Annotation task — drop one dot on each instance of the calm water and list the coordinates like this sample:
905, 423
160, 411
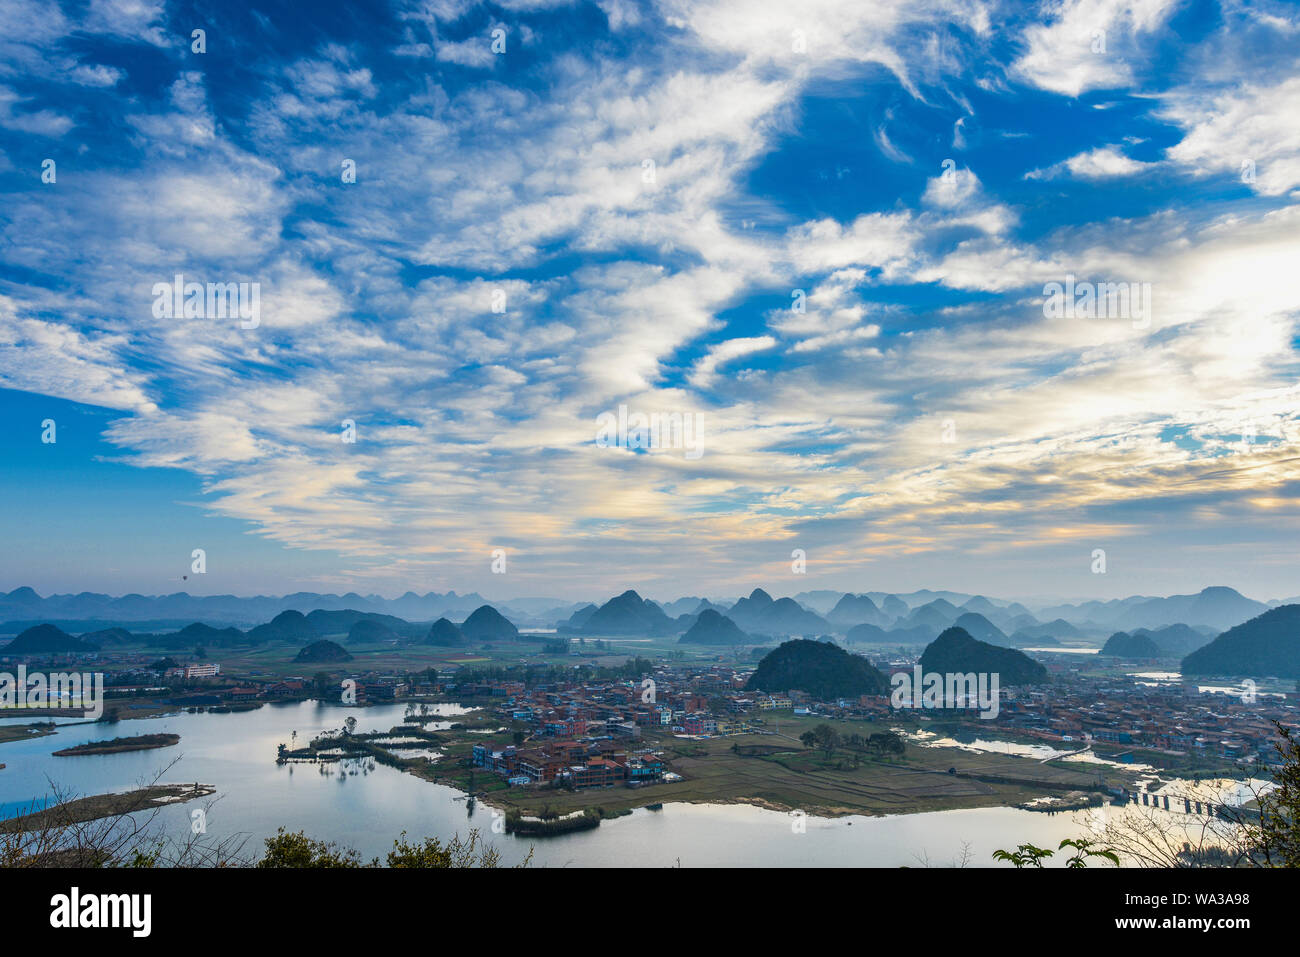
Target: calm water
236, 753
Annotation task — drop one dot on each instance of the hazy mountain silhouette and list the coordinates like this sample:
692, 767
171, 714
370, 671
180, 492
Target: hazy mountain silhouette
287, 626
108, 636
981, 629
937, 614
1123, 645
712, 628
339, 622
894, 606
1045, 632
628, 614
369, 631
759, 614
1177, 640
856, 610
201, 634
956, 652
874, 634
1217, 607
47, 640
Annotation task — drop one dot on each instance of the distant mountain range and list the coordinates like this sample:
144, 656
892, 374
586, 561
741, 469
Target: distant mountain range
866, 617
956, 637
1216, 607
484, 624
760, 614
25, 605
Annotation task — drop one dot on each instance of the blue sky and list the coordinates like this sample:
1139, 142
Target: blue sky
821, 232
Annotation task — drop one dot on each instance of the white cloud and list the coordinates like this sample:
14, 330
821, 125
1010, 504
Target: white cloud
52, 359
722, 353
1089, 44
1105, 162
133, 20
1250, 130
470, 191
97, 74
15, 115
474, 52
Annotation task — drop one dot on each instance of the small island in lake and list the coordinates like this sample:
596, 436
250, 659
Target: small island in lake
143, 742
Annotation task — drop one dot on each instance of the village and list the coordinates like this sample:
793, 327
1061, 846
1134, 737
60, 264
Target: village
586, 727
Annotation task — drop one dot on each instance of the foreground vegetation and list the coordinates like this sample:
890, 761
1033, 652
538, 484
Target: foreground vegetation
297, 850
1263, 832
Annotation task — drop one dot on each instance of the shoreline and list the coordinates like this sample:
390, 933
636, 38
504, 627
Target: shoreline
96, 807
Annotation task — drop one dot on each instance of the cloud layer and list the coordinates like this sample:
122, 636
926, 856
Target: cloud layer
825, 230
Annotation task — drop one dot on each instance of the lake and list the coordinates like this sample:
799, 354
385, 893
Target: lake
368, 809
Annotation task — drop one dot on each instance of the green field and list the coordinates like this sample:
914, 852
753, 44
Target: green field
794, 777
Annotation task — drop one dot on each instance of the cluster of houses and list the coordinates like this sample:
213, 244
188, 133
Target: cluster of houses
1172, 718
711, 702
583, 733
594, 763
202, 684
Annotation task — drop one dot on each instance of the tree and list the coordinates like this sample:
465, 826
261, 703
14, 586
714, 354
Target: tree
887, 742
1027, 855
297, 850
432, 853
1276, 837
826, 738
51, 835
